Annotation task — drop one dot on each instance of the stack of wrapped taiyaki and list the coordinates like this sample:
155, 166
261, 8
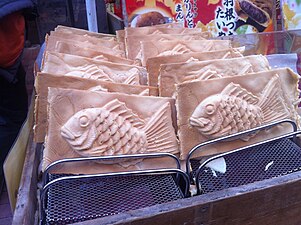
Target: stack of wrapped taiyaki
152, 89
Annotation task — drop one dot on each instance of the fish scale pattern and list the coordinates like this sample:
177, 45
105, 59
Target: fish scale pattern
239, 115
118, 135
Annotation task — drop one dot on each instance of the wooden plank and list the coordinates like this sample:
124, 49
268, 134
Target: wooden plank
26, 205
273, 201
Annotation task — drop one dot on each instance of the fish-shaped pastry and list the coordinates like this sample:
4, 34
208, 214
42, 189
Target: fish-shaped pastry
96, 73
114, 129
178, 49
235, 109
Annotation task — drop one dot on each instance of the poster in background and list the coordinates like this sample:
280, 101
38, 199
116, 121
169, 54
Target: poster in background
220, 17
291, 10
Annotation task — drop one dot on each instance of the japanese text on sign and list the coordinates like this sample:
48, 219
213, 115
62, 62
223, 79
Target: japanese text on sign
189, 13
179, 11
225, 18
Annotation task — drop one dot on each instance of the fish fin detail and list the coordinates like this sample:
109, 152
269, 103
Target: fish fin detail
209, 74
196, 76
272, 101
98, 150
158, 133
98, 88
246, 69
237, 91
94, 72
121, 109
133, 77
178, 49
157, 32
144, 93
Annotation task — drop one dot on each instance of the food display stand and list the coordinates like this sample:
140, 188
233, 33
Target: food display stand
272, 200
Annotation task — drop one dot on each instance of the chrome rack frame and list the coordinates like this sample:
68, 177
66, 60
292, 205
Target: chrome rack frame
46, 185
103, 158
236, 135
289, 135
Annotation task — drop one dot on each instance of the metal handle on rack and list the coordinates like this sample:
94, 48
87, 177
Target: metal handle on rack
101, 158
289, 135
90, 176
266, 126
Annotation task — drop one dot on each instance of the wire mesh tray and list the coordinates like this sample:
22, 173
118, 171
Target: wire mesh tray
264, 160
80, 200
68, 199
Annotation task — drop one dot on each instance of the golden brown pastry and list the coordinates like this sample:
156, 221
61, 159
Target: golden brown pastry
164, 48
72, 30
171, 25
44, 80
71, 65
120, 35
162, 30
112, 44
84, 123
51, 42
76, 49
133, 45
153, 64
176, 73
213, 108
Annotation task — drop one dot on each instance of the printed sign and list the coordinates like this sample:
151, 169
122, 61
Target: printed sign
227, 17
220, 17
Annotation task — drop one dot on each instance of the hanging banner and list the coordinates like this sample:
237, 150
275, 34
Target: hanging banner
220, 17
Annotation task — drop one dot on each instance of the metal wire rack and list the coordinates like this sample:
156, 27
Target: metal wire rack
68, 199
264, 160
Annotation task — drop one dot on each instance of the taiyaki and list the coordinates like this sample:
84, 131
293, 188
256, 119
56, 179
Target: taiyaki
178, 49
115, 129
96, 73
236, 109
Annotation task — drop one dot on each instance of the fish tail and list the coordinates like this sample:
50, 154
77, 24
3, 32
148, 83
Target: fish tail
133, 77
272, 101
158, 133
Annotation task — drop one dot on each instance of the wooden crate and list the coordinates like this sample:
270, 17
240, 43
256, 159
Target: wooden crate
273, 201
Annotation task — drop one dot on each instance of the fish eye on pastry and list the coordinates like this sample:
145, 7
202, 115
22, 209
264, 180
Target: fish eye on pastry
210, 109
84, 121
